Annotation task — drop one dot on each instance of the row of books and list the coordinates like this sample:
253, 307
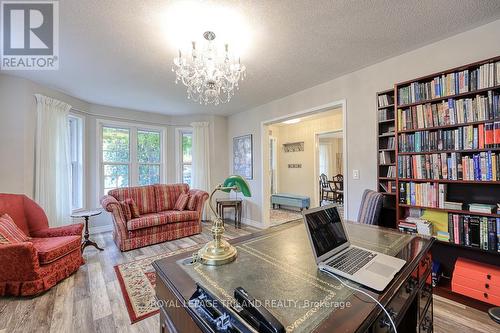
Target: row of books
450, 112
385, 157
385, 100
389, 143
486, 76
462, 138
385, 114
388, 186
475, 231
484, 166
422, 194
391, 171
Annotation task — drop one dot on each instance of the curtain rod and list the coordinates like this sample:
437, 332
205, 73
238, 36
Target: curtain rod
127, 119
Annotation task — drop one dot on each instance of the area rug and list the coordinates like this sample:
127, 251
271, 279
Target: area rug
279, 216
137, 281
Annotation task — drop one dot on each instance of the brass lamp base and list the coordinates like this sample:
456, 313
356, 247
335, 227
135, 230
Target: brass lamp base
212, 255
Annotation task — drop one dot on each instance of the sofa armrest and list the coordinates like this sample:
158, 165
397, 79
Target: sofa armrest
19, 262
68, 230
110, 204
201, 197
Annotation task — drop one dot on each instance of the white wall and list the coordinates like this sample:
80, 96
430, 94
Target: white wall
359, 89
17, 137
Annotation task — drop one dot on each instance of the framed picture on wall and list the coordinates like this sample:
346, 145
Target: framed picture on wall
243, 156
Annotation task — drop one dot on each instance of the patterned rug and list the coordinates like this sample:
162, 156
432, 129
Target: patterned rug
279, 216
137, 281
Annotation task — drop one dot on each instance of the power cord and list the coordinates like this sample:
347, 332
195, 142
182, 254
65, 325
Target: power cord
364, 293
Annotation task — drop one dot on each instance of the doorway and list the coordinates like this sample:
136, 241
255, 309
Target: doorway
291, 156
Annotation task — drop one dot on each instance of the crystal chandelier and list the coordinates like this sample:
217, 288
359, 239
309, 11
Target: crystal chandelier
209, 78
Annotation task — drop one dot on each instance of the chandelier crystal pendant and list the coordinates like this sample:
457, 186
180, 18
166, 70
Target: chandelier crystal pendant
209, 78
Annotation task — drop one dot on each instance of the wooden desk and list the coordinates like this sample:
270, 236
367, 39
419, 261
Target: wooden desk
278, 264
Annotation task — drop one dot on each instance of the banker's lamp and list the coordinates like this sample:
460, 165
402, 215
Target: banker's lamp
219, 251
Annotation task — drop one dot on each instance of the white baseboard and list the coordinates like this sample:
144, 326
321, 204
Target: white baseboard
252, 223
99, 229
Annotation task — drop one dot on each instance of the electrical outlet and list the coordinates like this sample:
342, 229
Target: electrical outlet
355, 174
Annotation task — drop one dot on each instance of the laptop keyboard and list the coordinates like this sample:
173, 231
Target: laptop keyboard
352, 260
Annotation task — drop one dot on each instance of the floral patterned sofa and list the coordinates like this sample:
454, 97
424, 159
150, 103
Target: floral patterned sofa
156, 220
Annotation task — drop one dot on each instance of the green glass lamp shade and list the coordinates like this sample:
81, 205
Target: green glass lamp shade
240, 183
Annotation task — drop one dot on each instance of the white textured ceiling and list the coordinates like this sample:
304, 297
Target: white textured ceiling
114, 52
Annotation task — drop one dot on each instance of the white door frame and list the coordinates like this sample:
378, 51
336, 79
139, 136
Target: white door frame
265, 191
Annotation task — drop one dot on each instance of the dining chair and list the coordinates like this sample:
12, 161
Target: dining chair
338, 184
371, 205
326, 192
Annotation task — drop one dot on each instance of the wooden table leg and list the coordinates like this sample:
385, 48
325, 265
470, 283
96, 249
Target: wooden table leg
86, 236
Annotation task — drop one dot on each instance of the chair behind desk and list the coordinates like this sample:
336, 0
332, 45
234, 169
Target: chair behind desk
371, 205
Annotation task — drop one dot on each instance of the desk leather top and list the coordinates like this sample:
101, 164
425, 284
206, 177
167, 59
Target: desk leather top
278, 269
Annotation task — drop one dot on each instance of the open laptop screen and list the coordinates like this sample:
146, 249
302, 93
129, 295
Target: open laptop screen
326, 230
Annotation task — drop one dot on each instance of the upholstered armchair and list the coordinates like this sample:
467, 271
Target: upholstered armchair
51, 254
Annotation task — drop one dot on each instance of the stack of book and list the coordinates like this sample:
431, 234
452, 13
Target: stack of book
453, 205
484, 166
450, 112
475, 231
482, 208
487, 75
443, 236
462, 138
416, 225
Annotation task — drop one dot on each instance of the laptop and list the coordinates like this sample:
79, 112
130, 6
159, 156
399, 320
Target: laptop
335, 254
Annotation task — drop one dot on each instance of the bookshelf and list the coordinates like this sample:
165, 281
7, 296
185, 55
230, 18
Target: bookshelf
448, 150
386, 158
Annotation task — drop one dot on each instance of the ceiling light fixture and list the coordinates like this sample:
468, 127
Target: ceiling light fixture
291, 121
210, 78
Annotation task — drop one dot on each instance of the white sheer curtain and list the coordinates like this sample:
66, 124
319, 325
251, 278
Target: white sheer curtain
200, 172
52, 160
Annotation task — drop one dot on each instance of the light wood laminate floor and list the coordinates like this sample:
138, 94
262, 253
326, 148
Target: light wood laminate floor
91, 300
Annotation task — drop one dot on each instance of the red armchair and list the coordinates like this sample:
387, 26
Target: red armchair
50, 256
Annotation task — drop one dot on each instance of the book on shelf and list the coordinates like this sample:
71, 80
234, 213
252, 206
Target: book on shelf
470, 137
419, 194
483, 166
385, 157
475, 231
391, 171
385, 114
390, 143
450, 112
443, 236
482, 208
416, 225
485, 76
453, 205
385, 100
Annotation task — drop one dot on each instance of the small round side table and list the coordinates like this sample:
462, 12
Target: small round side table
86, 214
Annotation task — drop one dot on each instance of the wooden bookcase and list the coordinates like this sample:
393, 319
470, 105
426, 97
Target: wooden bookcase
386, 145
466, 191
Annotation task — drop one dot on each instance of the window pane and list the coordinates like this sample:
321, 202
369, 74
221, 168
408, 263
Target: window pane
115, 176
148, 147
115, 144
186, 174
187, 140
149, 174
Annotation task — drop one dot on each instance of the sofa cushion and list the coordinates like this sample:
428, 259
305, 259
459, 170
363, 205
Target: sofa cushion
171, 216
144, 197
134, 210
191, 205
167, 195
181, 202
126, 209
53, 248
10, 232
